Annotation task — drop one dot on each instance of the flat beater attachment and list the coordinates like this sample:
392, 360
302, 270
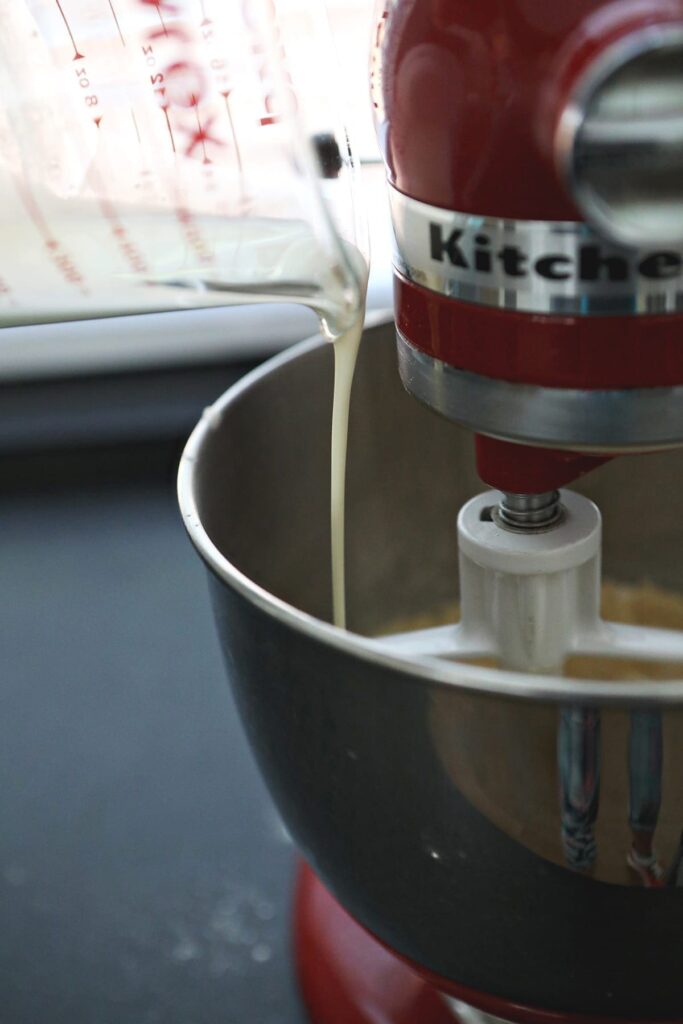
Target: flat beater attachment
530, 590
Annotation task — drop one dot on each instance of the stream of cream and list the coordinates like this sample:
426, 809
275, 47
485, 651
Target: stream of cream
345, 354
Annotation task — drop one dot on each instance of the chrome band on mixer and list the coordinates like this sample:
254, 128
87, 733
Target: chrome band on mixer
560, 267
633, 418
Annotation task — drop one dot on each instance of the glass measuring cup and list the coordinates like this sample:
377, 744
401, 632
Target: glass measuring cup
160, 154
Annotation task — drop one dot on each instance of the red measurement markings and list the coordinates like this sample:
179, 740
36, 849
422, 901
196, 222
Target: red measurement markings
56, 252
164, 110
116, 22
184, 84
193, 235
271, 114
199, 137
156, 80
89, 98
127, 247
202, 8
162, 6
223, 82
238, 155
209, 177
65, 265
218, 65
77, 53
179, 85
146, 184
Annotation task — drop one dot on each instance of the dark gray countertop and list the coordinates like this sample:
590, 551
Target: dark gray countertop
145, 877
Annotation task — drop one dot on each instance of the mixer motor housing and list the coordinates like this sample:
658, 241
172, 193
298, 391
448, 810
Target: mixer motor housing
533, 153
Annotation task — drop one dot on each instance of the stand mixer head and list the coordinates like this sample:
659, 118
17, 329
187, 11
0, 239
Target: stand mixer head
535, 166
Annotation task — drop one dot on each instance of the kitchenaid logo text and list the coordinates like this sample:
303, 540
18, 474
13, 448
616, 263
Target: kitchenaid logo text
593, 262
534, 266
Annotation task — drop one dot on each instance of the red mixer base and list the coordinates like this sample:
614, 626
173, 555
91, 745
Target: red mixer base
348, 977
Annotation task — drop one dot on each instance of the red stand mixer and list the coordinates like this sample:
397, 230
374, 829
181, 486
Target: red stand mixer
534, 154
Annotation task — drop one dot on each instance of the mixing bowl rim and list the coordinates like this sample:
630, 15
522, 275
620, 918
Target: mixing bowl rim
469, 679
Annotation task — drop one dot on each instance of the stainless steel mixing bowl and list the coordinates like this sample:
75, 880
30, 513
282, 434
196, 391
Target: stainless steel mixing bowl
428, 798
